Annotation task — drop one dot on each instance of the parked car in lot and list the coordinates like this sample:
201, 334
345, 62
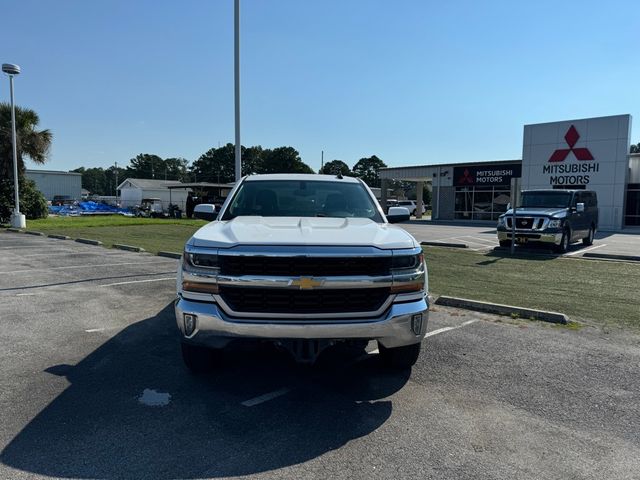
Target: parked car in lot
304, 261
555, 217
412, 206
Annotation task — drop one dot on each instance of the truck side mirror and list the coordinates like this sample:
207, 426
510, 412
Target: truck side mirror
205, 211
509, 206
398, 214
580, 207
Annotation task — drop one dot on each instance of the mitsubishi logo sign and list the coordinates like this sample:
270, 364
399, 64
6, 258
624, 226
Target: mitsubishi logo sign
466, 178
571, 138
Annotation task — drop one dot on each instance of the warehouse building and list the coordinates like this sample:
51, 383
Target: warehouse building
54, 183
590, 153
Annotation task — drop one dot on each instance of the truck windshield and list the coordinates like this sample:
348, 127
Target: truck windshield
302, 198
546, 199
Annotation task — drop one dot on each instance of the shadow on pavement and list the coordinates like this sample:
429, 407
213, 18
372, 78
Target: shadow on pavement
98, 428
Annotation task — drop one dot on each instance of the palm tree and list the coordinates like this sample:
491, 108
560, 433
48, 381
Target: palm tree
32, 143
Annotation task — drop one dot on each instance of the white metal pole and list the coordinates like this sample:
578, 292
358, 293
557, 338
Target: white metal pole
15, 150
237, 87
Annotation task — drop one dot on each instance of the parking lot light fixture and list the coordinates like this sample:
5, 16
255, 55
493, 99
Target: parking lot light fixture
17, 219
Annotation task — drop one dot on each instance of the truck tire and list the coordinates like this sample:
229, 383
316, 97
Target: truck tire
588, 240
196, 358
565, 241
400, 358
505, 243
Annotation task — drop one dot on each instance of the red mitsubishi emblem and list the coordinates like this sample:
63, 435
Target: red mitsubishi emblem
466, 177
571, 137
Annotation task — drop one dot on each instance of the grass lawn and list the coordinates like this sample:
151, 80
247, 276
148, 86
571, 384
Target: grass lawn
152, 234
595, 291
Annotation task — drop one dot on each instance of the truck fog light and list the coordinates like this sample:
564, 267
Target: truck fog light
189, 324
416, 323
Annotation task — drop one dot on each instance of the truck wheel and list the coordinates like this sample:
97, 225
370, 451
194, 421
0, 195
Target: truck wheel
564, 241
196, 358
400, 357
505, 243
588, 240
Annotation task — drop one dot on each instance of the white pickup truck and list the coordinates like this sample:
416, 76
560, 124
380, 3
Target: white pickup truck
304, 261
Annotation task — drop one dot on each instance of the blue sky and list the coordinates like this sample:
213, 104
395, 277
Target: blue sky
414, 82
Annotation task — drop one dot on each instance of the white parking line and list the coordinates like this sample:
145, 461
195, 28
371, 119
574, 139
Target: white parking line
38, 269
446, 329
139, 281
582, 250
252, 402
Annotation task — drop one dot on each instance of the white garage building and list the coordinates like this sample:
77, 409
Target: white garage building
133, 190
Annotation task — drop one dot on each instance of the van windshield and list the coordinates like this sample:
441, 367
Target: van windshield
546, 199
302, 198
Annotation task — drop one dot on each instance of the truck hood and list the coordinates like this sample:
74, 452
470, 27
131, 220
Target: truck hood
301, 231
538, 212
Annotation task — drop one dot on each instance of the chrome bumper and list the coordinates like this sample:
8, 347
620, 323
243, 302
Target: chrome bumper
215, 329
554, 238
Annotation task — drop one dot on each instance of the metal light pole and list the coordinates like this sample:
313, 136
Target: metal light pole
237, 87
17, 219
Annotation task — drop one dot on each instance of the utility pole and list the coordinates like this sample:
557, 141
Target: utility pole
237, 87
321, 160
116, 183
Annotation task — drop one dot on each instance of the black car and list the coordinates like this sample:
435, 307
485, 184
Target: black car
554, 217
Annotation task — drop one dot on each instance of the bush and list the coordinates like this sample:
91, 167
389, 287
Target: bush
32, 203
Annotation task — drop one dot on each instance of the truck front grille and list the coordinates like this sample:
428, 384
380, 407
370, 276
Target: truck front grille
279, 300
526, 223
301, 266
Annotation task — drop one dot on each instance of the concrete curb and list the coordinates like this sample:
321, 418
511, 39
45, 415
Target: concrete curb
169, 254
15, 230
129, 248
611, 256
59, 237
525, 313
88, 241
38, 234
445, 244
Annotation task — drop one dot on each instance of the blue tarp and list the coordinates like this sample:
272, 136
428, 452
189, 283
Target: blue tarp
88, 208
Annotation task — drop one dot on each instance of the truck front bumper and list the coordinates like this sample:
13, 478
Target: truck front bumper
526, 237
402, 324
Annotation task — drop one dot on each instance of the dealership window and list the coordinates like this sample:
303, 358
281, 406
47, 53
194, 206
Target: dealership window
481, 203
632, 210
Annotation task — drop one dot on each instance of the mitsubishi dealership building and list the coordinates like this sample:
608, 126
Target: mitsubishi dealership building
590, 153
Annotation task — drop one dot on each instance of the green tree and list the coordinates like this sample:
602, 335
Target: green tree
367, 169
635, 148
334, 167
146, 165
93, 179
32, 143
216, 165
284, 160
175, 169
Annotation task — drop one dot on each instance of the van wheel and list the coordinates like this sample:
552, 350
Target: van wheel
196, 358
505, 243
588, 240
564, 241
400, 358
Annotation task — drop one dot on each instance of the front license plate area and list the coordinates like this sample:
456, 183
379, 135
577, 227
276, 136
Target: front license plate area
521, 239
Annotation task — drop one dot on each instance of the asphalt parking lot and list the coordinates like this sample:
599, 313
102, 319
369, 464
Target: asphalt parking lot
92, 386
484, 238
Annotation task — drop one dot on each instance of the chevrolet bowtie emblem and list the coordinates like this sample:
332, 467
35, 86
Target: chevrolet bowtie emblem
307, 283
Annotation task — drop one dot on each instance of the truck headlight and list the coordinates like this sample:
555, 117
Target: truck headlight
407, 262
555, 223
501, 221
409, 273
202, 260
